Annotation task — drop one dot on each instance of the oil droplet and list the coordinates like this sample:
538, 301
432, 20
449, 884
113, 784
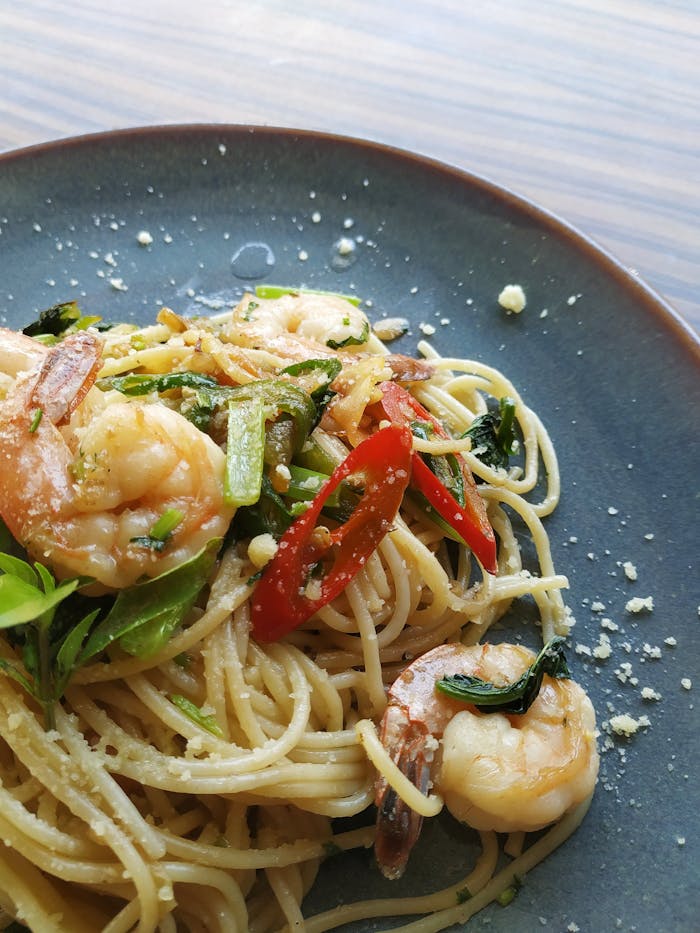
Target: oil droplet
252, 260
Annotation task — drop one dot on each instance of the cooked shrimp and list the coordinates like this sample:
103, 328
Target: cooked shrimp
76, 493
299, 325
497, 771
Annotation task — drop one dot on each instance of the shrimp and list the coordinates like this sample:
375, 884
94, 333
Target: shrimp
495, 771
299, 326
84, 479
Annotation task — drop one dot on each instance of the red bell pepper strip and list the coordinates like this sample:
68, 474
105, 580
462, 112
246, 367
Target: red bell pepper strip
470, 520
282, 600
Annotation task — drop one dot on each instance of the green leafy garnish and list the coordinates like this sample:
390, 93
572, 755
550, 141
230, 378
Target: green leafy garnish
36, 420
145, 383
325, 371
161, 532
145, 616
58, 320
29, 598
512, 698
493, 435
464, 895
353, 340
193, 712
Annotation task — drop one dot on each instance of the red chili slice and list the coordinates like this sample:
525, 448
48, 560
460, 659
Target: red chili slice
470, 520
283, 598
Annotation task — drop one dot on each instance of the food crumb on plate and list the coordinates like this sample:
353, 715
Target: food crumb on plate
512, 298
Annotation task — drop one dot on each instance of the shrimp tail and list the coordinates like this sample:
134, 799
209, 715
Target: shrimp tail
66, 375
398, 826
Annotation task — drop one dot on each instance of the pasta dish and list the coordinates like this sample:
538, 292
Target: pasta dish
251, 567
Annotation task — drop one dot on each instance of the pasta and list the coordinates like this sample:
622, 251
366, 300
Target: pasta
196, 782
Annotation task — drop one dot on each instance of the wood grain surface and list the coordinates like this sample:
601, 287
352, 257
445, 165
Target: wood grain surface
591, 108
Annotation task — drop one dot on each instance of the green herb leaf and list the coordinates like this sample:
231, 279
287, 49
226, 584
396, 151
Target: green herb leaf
513, 698
493, 435
20, 602
144, 616
161, 532
36, 420
66, 659
193, 712
54, 320
352, 340
144, 383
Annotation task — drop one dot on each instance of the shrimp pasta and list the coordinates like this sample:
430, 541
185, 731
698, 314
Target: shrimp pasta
239, 554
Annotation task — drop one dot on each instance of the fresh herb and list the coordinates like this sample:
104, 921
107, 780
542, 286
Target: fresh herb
29, 598
145, 383
277, 291
269, 515
160, 534
512, 698
356, 340
326, 371
59, 319
464, 895
193, 712
493, 435
446, 467
145, 616
36, 420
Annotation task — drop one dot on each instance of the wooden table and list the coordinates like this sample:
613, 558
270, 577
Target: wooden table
589, 108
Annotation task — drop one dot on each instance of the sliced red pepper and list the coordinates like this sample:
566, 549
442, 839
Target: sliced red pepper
281, 601
470, 520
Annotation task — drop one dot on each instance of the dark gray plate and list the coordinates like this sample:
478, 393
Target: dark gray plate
610, 369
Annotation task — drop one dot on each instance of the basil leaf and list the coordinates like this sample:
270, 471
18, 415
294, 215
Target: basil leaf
144, 616
54, 320
356, 340
513, 698
21, 602
18, 568
493, 435
144, 383
66, 660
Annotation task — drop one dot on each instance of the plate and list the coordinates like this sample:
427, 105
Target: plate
191, 216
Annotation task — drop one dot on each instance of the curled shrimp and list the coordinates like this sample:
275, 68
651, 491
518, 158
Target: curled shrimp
299, 325
84, 479
495, 771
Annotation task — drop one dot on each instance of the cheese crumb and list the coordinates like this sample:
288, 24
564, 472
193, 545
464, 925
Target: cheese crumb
624, 724
427, 329
144, 238
630, 570
512, 298
640, 604
261, 550
670, 641
686, 683
648, 693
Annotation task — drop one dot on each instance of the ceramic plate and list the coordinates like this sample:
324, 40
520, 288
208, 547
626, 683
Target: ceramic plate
192, 216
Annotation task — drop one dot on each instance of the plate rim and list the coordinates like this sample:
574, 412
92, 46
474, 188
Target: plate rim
637, 286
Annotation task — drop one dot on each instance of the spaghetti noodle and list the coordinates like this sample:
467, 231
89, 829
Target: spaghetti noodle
198, 784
